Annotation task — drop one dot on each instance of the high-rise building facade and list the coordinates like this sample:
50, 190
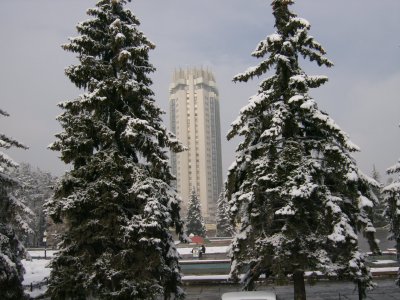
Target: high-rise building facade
195, 120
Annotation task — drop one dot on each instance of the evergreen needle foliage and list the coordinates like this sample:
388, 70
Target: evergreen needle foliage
13, 225
379, 217
294, 188
35, 188
117, 201
194, 222
392, 210
224, 227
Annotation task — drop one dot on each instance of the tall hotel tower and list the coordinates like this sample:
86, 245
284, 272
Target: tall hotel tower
194, 118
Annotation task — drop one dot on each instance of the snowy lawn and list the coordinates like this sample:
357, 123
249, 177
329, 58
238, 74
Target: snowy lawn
35, 271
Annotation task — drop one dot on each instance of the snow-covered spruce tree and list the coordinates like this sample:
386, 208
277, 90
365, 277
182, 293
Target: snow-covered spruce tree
224, 227
34, 189
392, 210
294, 188
194, 221
378, 216
116, 201
13, 225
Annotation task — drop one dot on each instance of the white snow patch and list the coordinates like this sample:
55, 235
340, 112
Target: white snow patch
120, 36
116, 23
380, 270
282, 57
40, 253
364, 202
352, 176
209, 250
393, 187
8, 260
308, 104
298, 78
37, 291
384, 262
35, 271
350, 145
275, 37
296, 98
285, 211
302, 21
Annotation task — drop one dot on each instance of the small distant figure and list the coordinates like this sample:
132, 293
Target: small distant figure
203, 249
28, 256
197, 252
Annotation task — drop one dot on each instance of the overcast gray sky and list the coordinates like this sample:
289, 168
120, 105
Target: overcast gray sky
361, 37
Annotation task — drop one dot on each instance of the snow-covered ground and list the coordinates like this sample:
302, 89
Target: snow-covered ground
384, 270
40, 253
182, 251
384, 262
220, 249
36, 271
37, 291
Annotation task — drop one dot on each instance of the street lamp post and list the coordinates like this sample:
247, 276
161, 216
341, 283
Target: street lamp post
45, 243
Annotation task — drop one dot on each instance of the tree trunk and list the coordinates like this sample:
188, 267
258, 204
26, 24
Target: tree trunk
167, 295
299, 286
360, 291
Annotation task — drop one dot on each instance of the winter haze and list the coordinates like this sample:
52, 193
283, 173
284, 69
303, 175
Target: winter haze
360, 36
